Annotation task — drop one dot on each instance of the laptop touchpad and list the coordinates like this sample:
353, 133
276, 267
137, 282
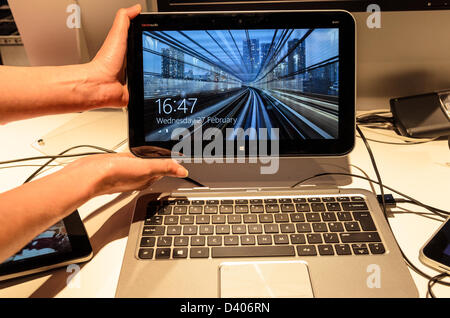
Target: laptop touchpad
265, 279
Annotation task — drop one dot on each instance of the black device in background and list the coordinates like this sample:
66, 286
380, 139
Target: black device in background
422, 116
436, 252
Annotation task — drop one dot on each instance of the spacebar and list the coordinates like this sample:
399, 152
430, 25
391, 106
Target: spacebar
252, 251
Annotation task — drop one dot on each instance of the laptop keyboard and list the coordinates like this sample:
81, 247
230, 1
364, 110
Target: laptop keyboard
300, 226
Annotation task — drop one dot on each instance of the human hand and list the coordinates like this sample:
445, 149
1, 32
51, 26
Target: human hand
108, 66
121, 172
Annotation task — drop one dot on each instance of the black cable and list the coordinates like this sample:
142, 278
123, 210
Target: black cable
48, 157
437, 279
374, 164
62, 153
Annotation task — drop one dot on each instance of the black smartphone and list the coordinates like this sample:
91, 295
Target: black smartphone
436, 252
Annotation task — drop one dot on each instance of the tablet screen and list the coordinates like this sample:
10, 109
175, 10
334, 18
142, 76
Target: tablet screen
250, 79
209, 84
53, 240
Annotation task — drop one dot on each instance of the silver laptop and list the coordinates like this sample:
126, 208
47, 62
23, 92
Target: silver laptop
252, 103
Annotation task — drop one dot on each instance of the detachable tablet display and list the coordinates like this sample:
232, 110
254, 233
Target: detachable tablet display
284, 77
64, 243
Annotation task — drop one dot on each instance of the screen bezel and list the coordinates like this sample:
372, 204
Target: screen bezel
435, 247
250, 20
80, 248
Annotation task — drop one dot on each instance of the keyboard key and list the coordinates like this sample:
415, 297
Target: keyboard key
303, 227
198, 202
270, 201
182, 202
272, 208
328, 199
214, 240
354, 206
357, 198
148, 242
250, 218
287, 207
330, 238
256, 208
174, 230
328, 217
241, 209
153, 230
198, 240
241, 201
362, 237
287, 228
212, 202
202, 219
206, 229
164, 210
271, 228
181, 241
180, 209
264, 239
360, 249
336, 227
231, 240
343, 199
154, 220
239, 229
343, 249
302, 207
195, 209
297, 217
298, 238
219, 219
266, 218
187, 219
352, 226
226, 209
180, 253
199, 252
227, 201
318, 207
190, 230
319, 227
314, 200
365, 220
164, 241
313, 217
255, 229
376, 248
222, 229
211, 209
162, 253
255, 251
248, 240
306, 250
146, 253
285, 200
344, 216
335, 206
256, 201
234, 219
314, 238
299, 200
281, 239
171, 220
325, 250
281, 218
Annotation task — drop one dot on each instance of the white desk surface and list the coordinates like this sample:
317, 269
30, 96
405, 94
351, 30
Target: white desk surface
421, 171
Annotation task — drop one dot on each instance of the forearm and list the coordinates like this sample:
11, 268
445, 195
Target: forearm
28, 210
28, 92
